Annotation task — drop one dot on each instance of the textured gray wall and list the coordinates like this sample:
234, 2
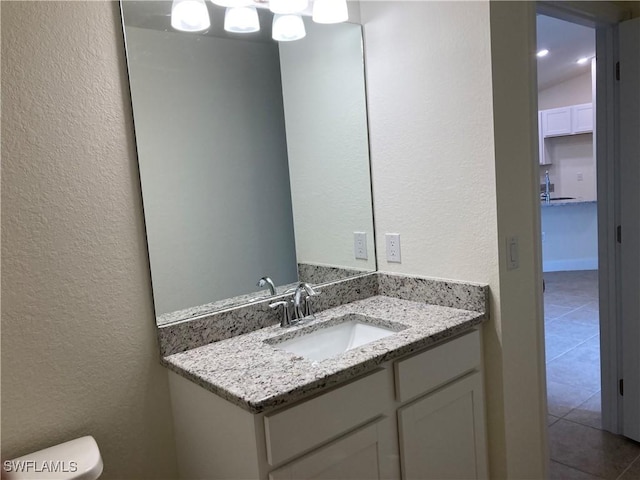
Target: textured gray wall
79, 353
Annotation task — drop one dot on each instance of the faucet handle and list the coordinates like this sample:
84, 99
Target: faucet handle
286, 312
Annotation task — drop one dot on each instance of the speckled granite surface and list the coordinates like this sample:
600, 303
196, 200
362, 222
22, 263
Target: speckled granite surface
562, 203
193, 333
317, 274
258, 377
213, 307
447, 293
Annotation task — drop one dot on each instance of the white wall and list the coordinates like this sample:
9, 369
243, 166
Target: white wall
573, 167
79, 353
570, 237
574, 91
327, 142
435, 181
213, 163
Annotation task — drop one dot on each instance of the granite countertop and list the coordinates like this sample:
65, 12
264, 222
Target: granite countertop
250, 372
560, 203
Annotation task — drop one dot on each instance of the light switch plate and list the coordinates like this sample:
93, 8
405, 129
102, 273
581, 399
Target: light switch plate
360, 245
393, 247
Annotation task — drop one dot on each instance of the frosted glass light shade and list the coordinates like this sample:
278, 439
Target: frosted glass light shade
287, 28
190, 15
330, 11
241, 20
284, 7
232, 3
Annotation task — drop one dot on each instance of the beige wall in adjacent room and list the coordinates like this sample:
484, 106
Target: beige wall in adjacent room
79, 353
574, 91
437, 172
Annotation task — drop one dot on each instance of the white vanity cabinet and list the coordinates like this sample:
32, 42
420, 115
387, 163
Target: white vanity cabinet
442, 435
420, 416
355, 456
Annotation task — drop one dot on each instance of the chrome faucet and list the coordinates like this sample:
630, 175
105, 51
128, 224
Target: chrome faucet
296, 308
267, 281
302, 301
546, 196
286, 312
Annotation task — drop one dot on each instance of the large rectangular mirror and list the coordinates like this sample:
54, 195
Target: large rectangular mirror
253, 158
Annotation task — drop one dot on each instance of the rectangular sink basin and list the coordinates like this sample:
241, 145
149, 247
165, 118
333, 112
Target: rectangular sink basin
338, 336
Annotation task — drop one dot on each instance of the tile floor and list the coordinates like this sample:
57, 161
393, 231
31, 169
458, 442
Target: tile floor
579, 448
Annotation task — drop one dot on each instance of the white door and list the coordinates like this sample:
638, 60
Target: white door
629, 88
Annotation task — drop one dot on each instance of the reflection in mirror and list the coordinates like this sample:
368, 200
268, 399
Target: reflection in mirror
253, 158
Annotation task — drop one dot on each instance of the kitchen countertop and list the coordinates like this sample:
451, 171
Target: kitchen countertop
560, 203
254, 375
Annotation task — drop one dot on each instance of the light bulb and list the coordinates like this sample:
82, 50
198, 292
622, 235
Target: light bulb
283, 7
542, 53
287, 28
582, 60
241, 20
190, 15
330, 11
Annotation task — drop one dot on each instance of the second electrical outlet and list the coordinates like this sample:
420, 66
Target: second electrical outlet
393, 247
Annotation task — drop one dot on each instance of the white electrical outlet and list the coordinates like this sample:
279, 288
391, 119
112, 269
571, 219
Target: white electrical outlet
360, 245
393, 247
580, 177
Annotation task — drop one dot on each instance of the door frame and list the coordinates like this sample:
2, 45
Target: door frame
604, 17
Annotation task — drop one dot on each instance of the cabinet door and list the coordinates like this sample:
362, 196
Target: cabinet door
556, 122
542, 156
582, 118
356, 456
442, 435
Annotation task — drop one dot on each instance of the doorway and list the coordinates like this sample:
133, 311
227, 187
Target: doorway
580, 446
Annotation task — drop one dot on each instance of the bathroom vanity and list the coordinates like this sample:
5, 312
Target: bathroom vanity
409, 405
263, 174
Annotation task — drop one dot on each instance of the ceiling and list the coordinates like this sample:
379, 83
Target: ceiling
566, 43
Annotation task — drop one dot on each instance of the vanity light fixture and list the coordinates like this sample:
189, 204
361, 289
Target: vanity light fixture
284, 7
287, 28
232, 3
190, 15
241, 20
241, 16
542, 53
330, 11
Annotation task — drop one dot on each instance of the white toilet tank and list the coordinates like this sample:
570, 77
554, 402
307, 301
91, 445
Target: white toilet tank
77, 459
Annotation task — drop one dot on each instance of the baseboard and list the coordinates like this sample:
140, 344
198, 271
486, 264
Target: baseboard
570, 265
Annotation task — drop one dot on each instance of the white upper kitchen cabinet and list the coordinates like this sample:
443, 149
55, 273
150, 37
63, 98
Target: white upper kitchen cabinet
556, 122
572, 120
582, 118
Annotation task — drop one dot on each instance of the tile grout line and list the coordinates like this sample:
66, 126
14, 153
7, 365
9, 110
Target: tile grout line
581, 471
572, 348
628, 467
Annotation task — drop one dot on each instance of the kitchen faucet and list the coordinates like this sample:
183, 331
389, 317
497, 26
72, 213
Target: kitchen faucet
546, 196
